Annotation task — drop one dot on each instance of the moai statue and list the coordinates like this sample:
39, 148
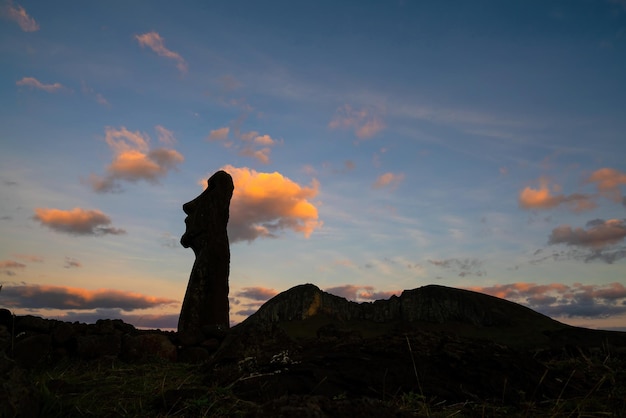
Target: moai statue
206, 301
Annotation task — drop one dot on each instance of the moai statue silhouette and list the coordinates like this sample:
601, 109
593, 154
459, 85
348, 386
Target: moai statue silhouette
205, 306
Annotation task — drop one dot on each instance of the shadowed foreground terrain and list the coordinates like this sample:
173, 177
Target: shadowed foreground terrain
433, 351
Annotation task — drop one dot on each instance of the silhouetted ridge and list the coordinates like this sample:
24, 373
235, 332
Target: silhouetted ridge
432, 303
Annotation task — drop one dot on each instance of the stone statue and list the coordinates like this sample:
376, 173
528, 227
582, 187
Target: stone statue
206, 301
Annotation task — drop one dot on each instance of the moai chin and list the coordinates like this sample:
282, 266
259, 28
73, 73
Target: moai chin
206, 301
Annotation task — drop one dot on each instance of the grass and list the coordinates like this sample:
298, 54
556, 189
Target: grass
159, 389
163, 389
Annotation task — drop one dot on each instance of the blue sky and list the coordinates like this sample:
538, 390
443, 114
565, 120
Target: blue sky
375, 146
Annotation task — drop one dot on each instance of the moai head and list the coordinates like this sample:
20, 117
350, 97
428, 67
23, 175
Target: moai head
207, 214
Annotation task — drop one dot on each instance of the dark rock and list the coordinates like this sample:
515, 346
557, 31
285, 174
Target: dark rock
193, 355
206, 298
31, 323
62, 333
89, 347
147, 347
32, 350
6, 318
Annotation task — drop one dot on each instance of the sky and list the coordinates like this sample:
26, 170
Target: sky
375, 146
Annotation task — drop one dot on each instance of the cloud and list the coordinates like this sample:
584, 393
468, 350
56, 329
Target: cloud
463, 266
608, 181
599, 234
71, 263
88, 91
360, 293
388, 179
29, 258
253, 140
365, 122
165, 136
261, 294
561, 300
19, 15
542, 198
219, 134
133, 160
264, 204
7, 267
61, 297
142, 320
34, 83
76, 221
154, 41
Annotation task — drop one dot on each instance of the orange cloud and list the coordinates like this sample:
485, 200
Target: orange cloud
365, 122
154, 41
19, 15
542, 198
265, 203
388, 179
608, 181
599, 234
61, 297
34, 83
219, 134
76, 221
133, 159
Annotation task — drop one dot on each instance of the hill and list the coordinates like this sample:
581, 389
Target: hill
433, 350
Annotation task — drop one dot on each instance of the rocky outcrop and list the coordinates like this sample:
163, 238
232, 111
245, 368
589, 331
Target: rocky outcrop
431, 304
206, 299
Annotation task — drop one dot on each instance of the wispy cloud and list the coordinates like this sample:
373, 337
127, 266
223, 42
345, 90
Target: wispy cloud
462, 266
264, 204
388, 180
561, 300
34, 83
8, 267
29, 258
133, 160
365, 122
17, 13
71, 263
61, 297
76, 221
543, 198
155, 42
90, 92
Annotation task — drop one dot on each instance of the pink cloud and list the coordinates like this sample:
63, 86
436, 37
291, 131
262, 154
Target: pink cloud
563, 300
155, 42
19, 15
76, 221
598, 234
388, 179
365, 122
34, 83
219, 134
